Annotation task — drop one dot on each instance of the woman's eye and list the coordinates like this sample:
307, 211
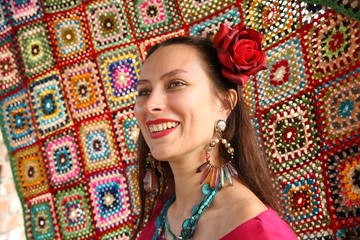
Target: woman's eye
143, 92
176, 84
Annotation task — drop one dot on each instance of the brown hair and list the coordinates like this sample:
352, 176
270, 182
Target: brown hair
248, 159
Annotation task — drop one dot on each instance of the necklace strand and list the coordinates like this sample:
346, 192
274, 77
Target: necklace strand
188, 226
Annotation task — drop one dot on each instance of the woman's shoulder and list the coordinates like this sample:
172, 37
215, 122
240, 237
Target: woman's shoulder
266, 225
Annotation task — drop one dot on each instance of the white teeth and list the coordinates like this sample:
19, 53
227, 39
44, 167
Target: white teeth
162, 126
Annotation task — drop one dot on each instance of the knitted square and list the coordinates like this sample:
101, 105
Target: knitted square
276, 19
285, 75
303, 197
52, 6
338, 109
63, 158
209, 27
290, 138
29, 171
70, 35
22, 11
110, 199
16, 120
35, 49
119, 73
127, 132
97, 144
73, 212
329, 44
153, 17
48, 103
109, 24
10, 77
196, 10
40, 218
83, 89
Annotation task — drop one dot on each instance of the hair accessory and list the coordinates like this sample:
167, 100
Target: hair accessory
223, 172
239, 51
150, 179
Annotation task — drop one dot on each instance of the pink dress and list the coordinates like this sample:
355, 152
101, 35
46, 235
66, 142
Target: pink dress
266, 226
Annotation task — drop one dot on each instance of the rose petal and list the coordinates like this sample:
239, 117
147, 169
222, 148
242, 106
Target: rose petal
226, 59
237, 78
240, 27
228, 39
223, 31
256, 36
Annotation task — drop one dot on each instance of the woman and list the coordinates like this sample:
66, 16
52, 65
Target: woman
198, 178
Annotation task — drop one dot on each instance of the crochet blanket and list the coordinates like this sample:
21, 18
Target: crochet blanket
68, 71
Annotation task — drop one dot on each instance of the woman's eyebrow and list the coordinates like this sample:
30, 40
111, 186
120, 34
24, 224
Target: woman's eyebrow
165, 75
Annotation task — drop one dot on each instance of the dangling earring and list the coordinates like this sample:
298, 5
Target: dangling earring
224, 172
150, 179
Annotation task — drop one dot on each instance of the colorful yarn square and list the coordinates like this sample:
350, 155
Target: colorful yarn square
36, 52
317, 234
40, 218
343, 170
63, 158
52, 6
70, 35
120, 72
109, 25
338, 109
145, 45
285, 75
276, 19
10, 77
29, 171
195, 10
18, 127
110, 199
97, 144
348, 233
23, 11
250, 95
84, 90
123, 234
4, 24
132, 172
153, 17
310, 12
127, 132
329, 46
289, 133
73, 212
209, 27
303, 197
48, 103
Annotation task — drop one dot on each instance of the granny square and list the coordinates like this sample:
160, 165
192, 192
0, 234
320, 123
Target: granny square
285, 75
4, 23
132, 172
22, 11
304, 202
290, 138
109, 24
10, 77
127, 132
18, 127
29, 171
48, 103
41, 219
119, 73
83, 89
110, 199
97, 144
35, 49
73, 212
153, 17
63, 158
52, 6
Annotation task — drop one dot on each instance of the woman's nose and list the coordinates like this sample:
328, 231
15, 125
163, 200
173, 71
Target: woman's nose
155, 102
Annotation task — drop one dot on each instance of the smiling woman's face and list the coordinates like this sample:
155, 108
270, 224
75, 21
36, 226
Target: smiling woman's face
176, 107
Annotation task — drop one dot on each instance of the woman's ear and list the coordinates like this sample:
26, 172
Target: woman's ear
229, 101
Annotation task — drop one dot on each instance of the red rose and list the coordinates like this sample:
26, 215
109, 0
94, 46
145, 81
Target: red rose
240, 53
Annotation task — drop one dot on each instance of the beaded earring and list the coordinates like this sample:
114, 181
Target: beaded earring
150, 179
224, 172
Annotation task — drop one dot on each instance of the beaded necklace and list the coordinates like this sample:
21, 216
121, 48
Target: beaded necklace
188, 226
